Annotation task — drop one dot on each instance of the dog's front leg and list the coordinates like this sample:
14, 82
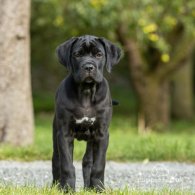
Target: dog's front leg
87, 164
67, 170
99, 160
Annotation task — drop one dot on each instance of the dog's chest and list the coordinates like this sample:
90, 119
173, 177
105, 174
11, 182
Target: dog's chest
84, 123
84, 116
85, 120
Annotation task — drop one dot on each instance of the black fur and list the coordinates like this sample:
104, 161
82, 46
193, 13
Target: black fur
83, 109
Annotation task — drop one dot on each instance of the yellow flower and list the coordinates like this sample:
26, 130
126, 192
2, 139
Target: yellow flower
165, 57
97, 4
153, 37
150, 28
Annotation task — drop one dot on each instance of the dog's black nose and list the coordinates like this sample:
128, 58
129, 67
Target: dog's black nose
89, 67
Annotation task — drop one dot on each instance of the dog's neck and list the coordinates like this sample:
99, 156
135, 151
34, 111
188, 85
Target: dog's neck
87, 93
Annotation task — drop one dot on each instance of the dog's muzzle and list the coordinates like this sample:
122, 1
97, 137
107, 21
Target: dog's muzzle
89, 71
88, 68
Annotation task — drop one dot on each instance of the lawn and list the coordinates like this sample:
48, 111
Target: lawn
7, 190
176, 144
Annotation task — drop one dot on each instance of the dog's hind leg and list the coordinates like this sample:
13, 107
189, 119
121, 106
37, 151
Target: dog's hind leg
87, 164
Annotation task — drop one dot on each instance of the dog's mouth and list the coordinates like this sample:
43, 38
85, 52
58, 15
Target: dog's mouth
89, 79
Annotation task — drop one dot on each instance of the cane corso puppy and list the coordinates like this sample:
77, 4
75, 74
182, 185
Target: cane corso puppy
83, 109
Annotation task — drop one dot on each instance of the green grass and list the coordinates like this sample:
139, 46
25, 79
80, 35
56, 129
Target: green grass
7, 190
176, 144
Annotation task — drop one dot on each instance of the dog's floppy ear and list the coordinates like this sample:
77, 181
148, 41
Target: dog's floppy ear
113, 53
63, 52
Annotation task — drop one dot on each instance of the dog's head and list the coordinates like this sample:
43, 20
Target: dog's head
86, 56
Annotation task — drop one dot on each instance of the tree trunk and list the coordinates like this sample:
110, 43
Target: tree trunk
153, 93
16, 116
154, 106
182, 92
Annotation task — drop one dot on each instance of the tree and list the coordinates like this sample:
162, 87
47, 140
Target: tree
157, 36
182, 92
16, 116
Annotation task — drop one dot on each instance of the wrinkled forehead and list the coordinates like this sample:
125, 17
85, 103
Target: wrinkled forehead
88, 42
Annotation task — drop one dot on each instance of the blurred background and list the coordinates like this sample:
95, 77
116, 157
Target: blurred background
156, 75
154, 81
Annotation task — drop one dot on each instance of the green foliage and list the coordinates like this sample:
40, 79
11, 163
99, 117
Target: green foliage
159, 28
147, 21
155, 25
43, 102
46, 34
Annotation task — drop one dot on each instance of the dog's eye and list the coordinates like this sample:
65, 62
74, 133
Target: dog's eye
98, 55
77, 54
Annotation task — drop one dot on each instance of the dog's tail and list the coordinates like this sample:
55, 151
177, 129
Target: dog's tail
115, 103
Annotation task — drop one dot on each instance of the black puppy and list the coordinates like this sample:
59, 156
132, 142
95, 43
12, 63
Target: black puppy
83, 109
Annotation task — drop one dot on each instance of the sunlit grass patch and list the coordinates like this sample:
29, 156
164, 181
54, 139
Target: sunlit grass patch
30, 190
175, 144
